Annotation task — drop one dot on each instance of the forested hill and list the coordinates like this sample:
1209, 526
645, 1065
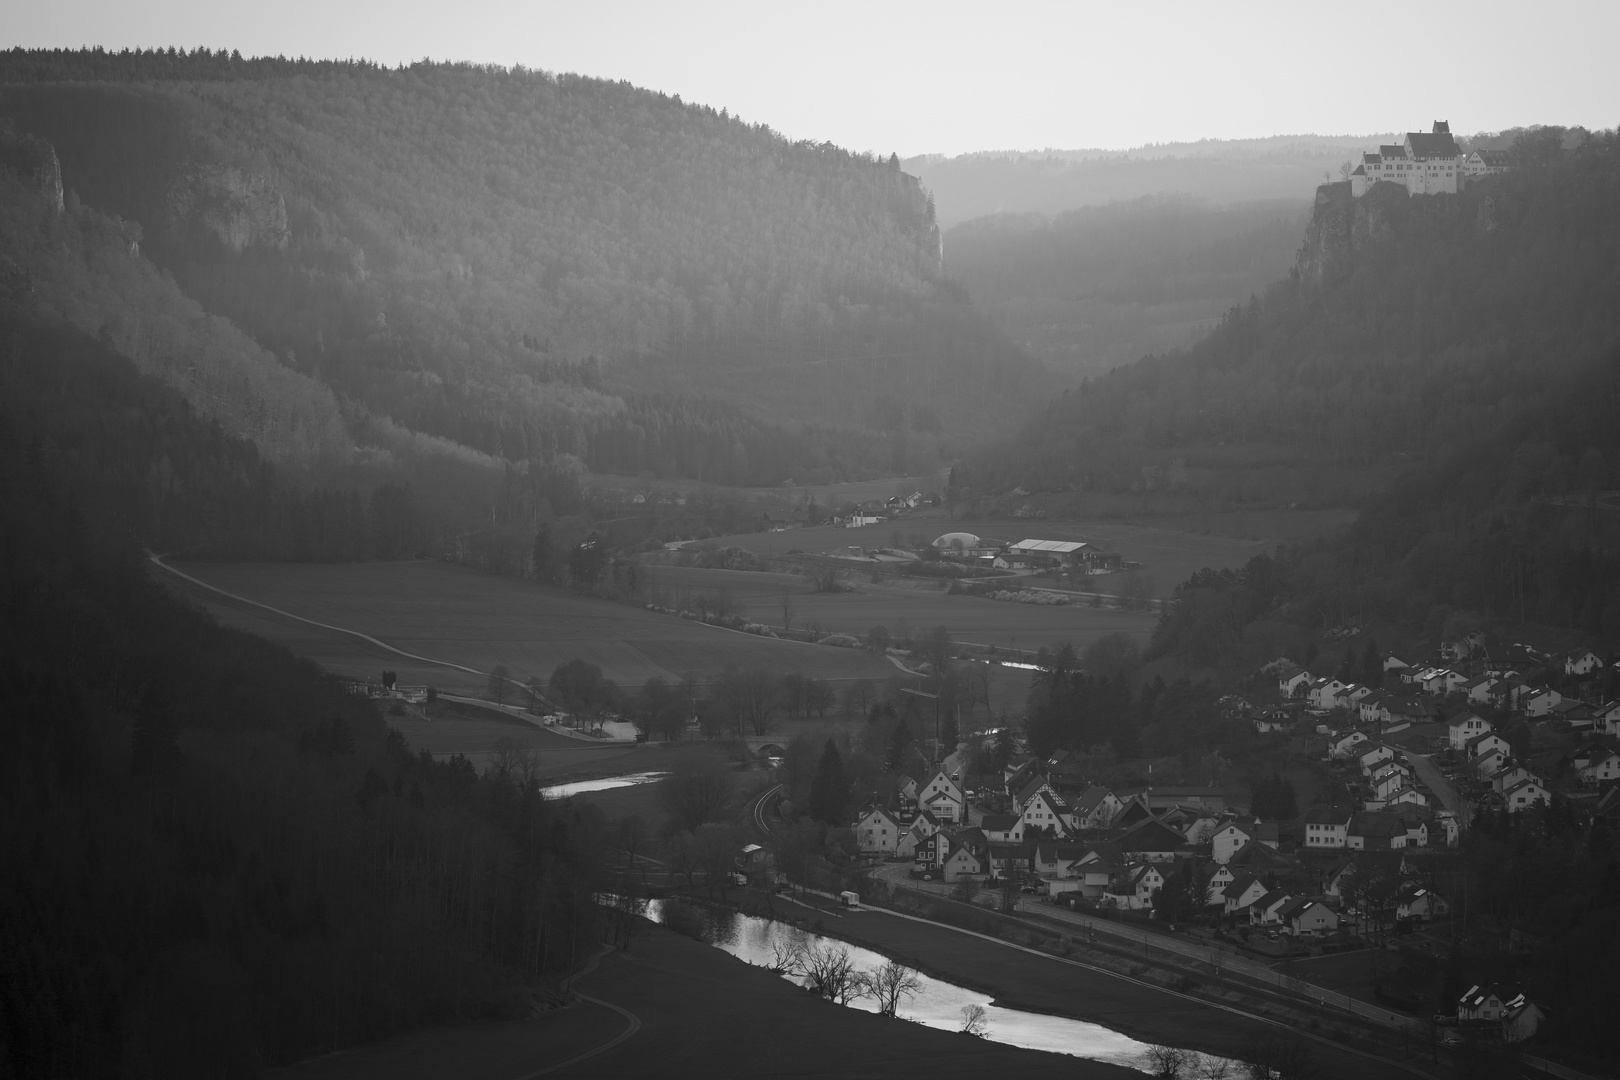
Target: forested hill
1408, 326
533, 265
1090, 289
1455, 355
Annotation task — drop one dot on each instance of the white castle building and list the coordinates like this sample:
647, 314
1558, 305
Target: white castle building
1426, 163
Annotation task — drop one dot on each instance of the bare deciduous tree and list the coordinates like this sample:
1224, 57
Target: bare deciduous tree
974, 1021
1166, 1062
500, 683
890, 985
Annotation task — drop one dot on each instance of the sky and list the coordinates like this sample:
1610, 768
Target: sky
950, 77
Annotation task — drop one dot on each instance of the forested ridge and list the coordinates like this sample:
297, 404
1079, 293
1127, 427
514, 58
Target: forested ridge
217, 858
534, 266
1467, 345
1090, 289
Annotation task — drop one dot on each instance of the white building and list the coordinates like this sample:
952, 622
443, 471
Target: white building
1425, 163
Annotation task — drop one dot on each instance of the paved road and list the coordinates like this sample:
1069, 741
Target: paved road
1435, 781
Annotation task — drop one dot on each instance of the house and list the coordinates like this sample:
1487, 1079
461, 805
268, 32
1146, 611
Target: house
1574, 716
1052, 859
1480, 745
1199, 827
1045, 812
906, 788
1524, 795
1601, 768
1308, 918
965, 861
1520, 1019
1326, 827
1369, 758
1540, 702
1095, 808
1465, 727
1008, 861
1214, 884
920, 829
943, 798
1402, 712
1420, 904
1392, 662
1464, 647
1583, 663
1294, 683
1323, 692
1490, 762
1478, 690
1509, 776
1485, 162
1152, 841
1441, 681
1242, 894
1003, 828
1375, 832
1407, 795
877, 831
1095, 869
1225, 841
1267, 911
1480, 1003
1271, 720
1168, 797
1340, 746
1133, 889
1607, 718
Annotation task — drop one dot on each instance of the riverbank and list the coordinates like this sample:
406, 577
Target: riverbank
1048, 984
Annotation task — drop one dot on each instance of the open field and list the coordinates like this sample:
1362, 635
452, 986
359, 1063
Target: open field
1170, 548
824, 494
922, 604
462, 617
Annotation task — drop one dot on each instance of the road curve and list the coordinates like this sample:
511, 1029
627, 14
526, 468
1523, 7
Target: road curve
633, 1025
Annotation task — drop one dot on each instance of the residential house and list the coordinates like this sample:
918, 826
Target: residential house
1392, 662
1441, 681
1478, 690
1152, 841
1045, 813
1490, 762
878, 831
1009, 862
1582, 663
1053, 859
1002, 828
1199, 827
1403, 712
1341, 746
1323, 692
965, 861
1576, 717
1326, 827
1541, 702
1480, 1002
1524, 795
1134, 887
1095, 808
1167, 797
1096, 868
1374, 708
1295, 683
1308, 918
1509, 776
1267, 911
1420, 904
1607, 718
1407, 795
1214, 884
921, 828
943, 798
1464, 647
1520, 1019
1225, 841
1369, 758
1485, 162
1601, 767
1480, 745
1465, 727
1375, 832
1242, 894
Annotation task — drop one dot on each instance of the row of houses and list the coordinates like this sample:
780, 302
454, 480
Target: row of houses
1426, 163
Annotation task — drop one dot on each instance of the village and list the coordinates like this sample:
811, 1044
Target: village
1427, 752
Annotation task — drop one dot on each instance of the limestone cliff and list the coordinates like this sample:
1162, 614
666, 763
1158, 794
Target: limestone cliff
1340, 226
237, 208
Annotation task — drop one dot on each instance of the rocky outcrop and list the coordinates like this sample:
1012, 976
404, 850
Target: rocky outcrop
237, 208
1341, 226
33, 160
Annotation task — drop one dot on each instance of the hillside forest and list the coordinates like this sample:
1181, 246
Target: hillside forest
501, 266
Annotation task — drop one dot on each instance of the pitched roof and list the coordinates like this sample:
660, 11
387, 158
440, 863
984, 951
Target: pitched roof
1151, 835
1093, 797
1327, 815
998, 822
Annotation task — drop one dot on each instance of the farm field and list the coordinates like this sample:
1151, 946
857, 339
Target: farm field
922, 604
461, 617
824, 494
1170, 549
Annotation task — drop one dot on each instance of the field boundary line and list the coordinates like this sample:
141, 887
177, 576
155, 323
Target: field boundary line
157, 560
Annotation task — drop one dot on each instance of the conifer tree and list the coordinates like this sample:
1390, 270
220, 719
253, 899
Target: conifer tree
829, 791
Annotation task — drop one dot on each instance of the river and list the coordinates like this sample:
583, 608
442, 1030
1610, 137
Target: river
605, 783
937, 1003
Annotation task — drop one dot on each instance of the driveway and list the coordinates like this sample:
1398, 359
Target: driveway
1435, 781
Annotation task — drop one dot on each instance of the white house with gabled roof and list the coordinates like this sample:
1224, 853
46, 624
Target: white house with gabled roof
878, 831
1524, 795
943, 798
1465, 727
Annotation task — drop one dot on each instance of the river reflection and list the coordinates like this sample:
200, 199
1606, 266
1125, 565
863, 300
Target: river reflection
938, 1004
606, 783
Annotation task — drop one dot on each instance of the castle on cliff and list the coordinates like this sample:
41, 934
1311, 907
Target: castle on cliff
1425, 163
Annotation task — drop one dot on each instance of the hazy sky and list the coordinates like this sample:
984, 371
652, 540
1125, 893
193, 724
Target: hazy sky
951, 77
